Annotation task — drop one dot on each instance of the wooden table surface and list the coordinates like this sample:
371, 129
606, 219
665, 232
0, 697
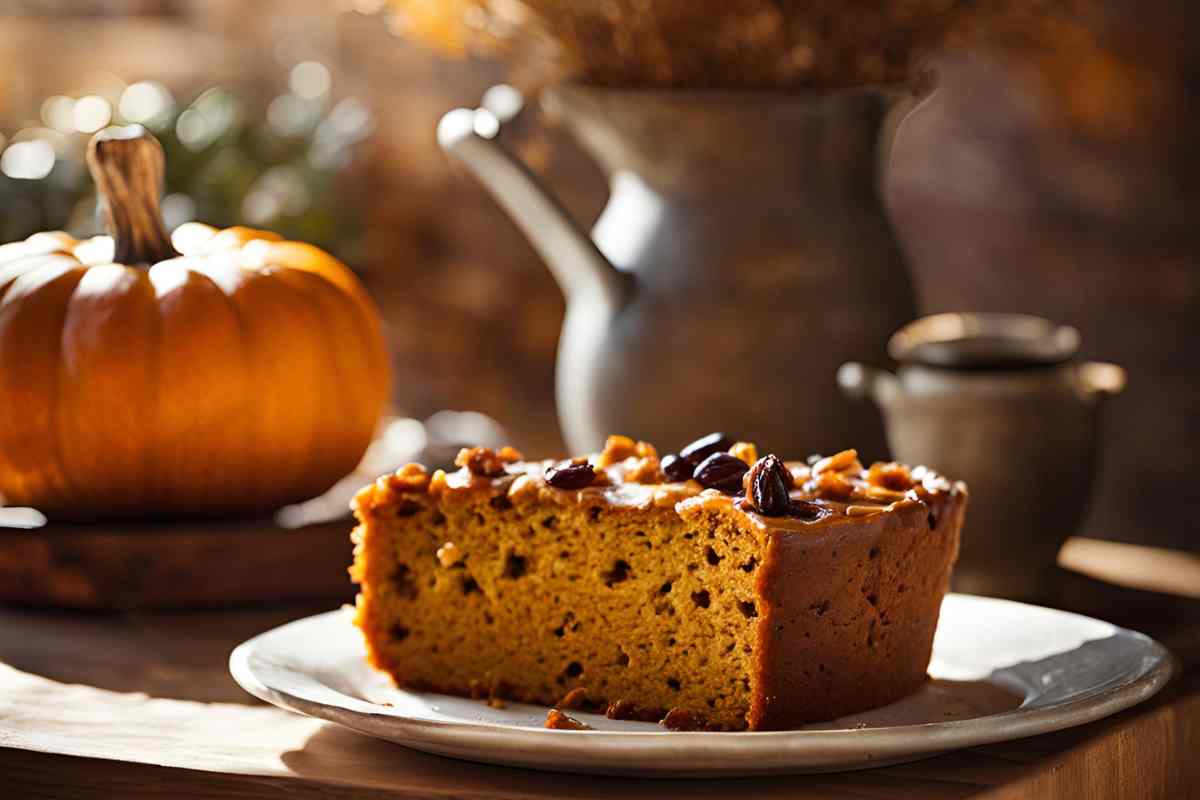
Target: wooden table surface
142, 705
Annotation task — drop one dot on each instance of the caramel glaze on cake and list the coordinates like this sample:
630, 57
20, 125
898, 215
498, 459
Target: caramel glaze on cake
782, 594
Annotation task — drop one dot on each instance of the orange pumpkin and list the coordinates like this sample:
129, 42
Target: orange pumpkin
212, 372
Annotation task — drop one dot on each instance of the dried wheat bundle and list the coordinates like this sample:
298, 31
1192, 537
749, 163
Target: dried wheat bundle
693, 43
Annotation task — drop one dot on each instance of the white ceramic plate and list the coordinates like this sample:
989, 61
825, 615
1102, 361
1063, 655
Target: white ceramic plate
1002, 671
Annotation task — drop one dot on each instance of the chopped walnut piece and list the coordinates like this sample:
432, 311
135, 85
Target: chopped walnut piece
409, 478
485, 462
449, 554
746, 451
662, 498
845, 461
890, 475
832, 486
556, 720
645, 450
646, 470
437, 482
616, 449
523, 485
800, 473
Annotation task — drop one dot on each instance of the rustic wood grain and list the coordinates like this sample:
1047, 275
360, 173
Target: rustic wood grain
174, 565
75, 723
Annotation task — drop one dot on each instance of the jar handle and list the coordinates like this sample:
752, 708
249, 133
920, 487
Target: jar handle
863, 381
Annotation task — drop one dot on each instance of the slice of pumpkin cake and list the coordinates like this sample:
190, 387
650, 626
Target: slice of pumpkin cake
711, 588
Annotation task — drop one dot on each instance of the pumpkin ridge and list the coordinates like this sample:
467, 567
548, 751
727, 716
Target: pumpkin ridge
268, 309
107, 365
324, 300
214, 433
370, 327
46, 479
151, 458
10, 272
305, 257
254, 477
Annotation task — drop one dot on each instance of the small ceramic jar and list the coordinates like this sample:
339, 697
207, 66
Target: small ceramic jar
999, 401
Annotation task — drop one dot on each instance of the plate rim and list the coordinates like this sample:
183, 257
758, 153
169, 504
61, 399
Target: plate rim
842, 748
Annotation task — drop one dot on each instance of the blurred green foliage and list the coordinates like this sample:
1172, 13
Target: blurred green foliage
274, 167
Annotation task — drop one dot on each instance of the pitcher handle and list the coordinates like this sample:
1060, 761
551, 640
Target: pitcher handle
469, 135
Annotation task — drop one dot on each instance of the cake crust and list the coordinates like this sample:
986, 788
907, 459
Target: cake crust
654, 597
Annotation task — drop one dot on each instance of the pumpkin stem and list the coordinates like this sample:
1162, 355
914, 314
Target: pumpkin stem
127, 166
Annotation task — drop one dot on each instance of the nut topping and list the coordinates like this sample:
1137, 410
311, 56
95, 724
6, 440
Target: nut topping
767, 487
890, 475
484, 462
616, 449
409, 478
832, 486
721, 471
800, 474
746, 451
645, 470
845, 461
571, 475
645, 450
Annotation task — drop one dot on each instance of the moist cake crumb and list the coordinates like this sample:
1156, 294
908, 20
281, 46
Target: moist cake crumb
753, 596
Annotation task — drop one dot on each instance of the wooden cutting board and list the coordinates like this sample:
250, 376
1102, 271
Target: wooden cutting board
299, 554
194, 564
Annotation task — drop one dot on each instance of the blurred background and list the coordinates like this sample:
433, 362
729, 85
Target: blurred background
1048, 168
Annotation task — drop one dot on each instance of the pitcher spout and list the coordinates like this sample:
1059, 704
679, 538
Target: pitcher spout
469, 135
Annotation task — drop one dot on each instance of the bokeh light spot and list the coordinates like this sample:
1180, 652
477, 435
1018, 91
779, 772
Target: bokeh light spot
91, 113
145, 102
59, 113
310, 80
30, 160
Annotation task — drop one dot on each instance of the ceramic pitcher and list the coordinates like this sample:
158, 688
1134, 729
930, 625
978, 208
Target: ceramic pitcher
997, 400
742, 256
